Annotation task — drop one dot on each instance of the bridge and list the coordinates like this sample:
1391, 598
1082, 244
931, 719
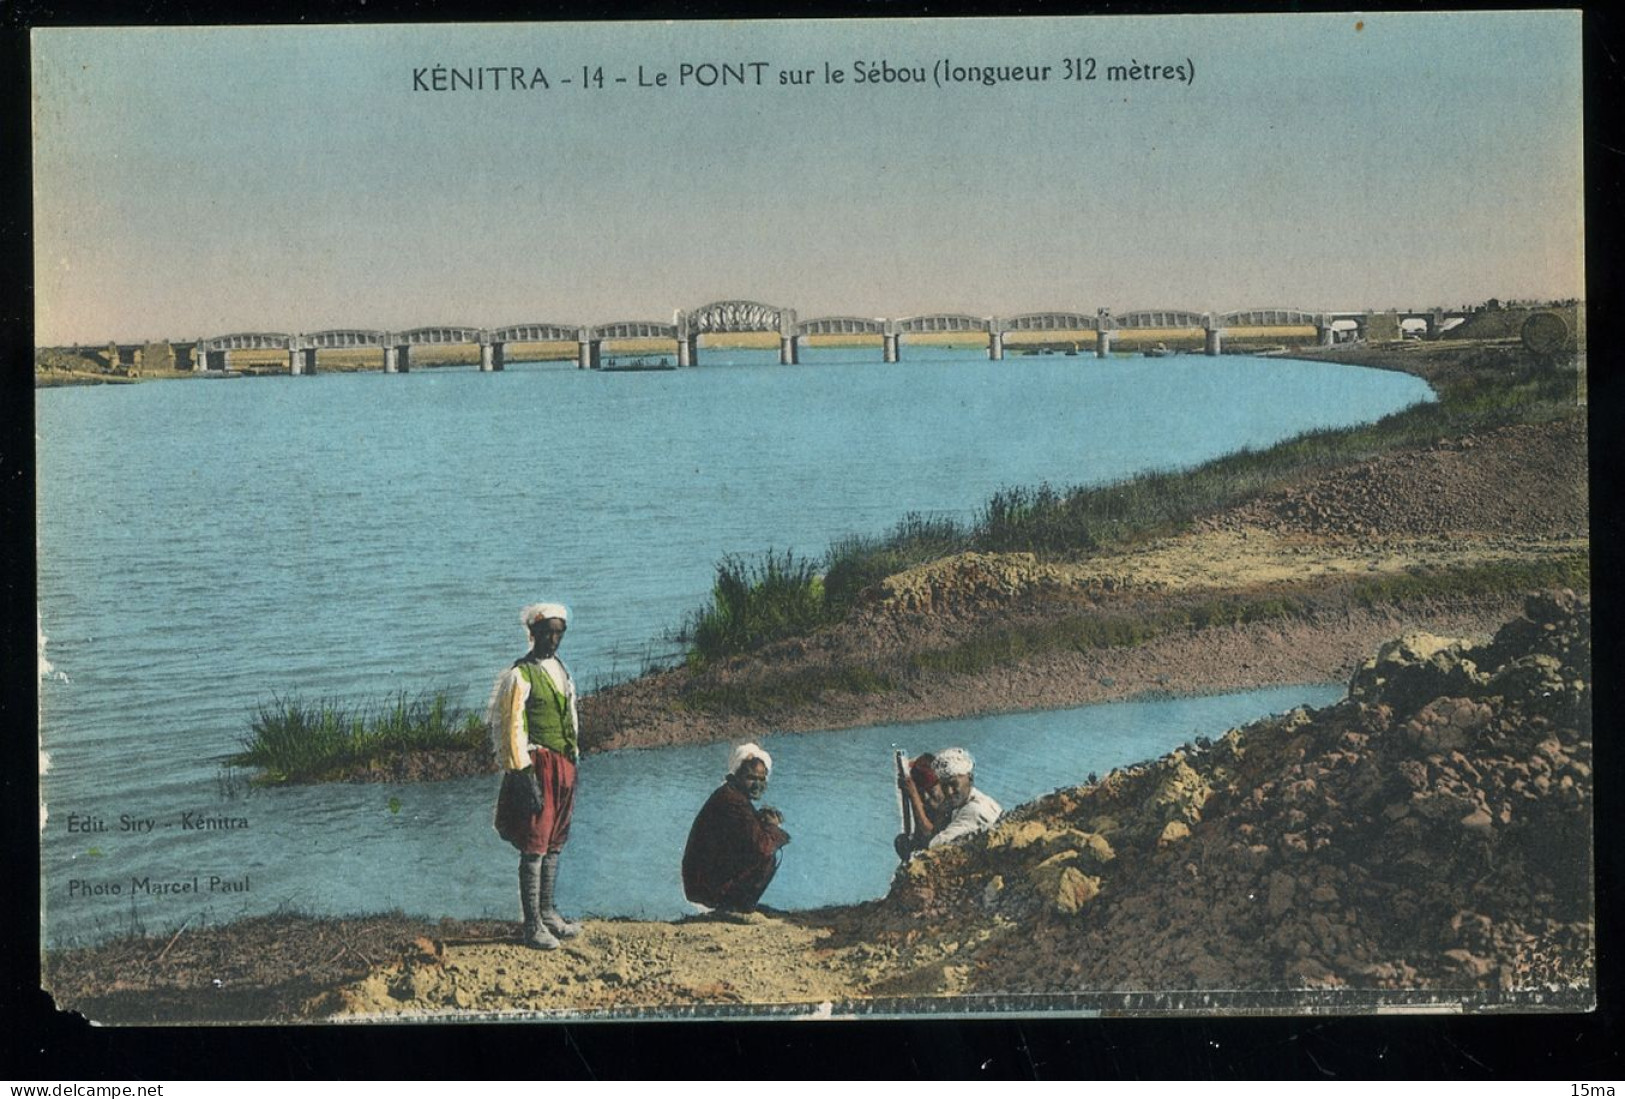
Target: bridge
731, 317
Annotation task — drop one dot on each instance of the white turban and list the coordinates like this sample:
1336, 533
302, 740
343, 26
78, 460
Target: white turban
951, 762
747, 752
537, 611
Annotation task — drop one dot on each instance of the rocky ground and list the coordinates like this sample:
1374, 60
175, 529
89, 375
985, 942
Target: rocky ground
1431, 832
1426, 840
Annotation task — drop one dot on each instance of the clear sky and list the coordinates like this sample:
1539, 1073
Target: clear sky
200, 181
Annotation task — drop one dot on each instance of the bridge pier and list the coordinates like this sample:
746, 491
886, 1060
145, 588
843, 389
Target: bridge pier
589, 354
1435, 322
888, 351
392, 359
492, 356
301, 360
1213, 340
1325, 335
1103, 343
995, 345
788, 355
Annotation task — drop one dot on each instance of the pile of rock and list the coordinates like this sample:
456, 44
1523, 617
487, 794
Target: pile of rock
1433, 831
967, 582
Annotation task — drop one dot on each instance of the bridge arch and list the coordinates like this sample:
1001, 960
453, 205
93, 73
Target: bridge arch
841, 326
634, 330
801, 331
439, 335
1162, 318
248, 341
731, 316
590, 339
1053, 321
1271, 318
943, 322
738, 315
214, 353
536, 332
334, 338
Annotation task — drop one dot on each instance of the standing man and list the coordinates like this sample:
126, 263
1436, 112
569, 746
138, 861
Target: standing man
534, 734
733, 847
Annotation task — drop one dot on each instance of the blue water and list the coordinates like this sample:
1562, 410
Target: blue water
205, 545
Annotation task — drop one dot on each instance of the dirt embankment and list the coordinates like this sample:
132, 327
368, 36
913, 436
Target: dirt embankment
1517, 495
1426, 840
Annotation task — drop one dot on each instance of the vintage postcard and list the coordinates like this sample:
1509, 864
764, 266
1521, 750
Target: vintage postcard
1075, 516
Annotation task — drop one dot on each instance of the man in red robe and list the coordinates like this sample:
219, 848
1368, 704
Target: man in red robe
733, 847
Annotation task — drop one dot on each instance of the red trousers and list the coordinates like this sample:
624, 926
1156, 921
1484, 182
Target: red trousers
546, 832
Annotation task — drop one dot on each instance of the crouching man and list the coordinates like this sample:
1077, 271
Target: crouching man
961, 810
733, 847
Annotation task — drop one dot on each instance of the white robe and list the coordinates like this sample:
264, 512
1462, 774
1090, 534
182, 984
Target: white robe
978, 813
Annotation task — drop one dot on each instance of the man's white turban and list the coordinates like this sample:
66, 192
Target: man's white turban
747, 752
537, 611
951, 762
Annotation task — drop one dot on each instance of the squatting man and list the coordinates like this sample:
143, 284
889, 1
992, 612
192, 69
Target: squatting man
733, 847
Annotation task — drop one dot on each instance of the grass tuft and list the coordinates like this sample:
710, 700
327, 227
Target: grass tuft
292, 740
754, 602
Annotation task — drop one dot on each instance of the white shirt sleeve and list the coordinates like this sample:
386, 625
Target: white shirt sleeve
508, 721
575, 720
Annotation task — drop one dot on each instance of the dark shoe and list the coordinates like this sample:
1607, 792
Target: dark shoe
550, 917
539, 938
559, 926
531, 879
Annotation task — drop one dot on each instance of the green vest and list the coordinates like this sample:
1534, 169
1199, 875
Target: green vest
547, 712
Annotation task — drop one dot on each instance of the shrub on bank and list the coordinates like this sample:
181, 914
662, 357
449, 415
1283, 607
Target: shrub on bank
857, 561
754, 602
295, 740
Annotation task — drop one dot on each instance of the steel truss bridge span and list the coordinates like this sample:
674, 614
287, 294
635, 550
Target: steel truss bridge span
687, 328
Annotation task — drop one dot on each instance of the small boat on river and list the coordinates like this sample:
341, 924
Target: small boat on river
614, 367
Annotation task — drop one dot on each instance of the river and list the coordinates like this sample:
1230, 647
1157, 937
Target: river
207, 545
